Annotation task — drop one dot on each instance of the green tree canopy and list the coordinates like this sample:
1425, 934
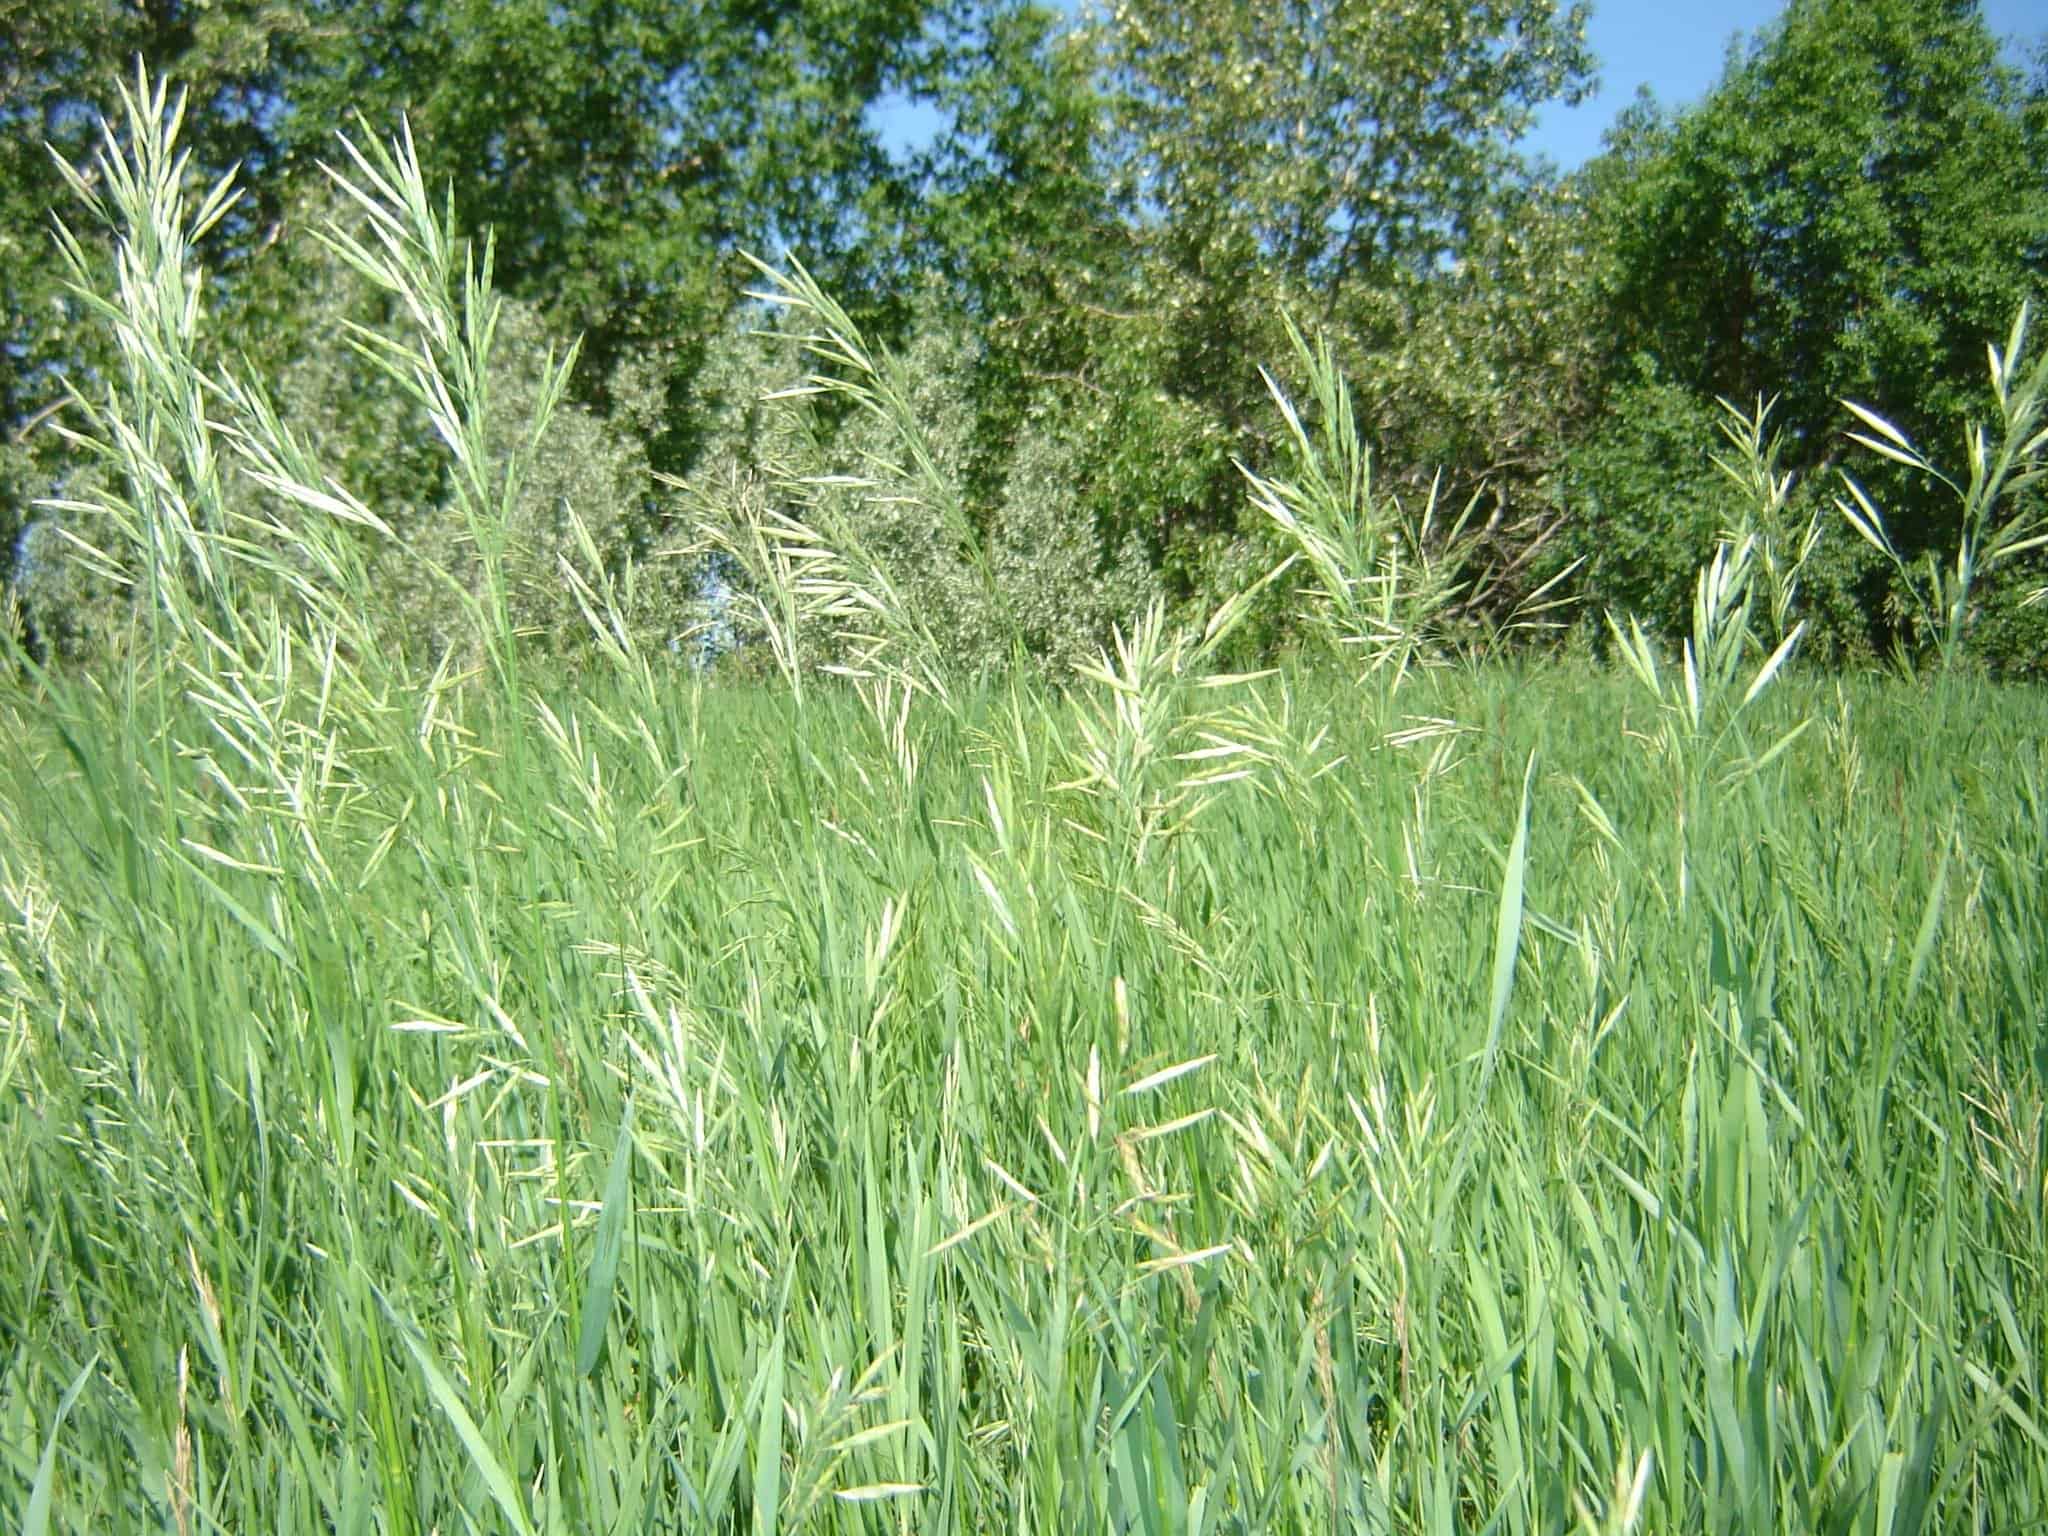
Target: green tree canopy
1139, 200
1334, 142
1853, 211
623, 150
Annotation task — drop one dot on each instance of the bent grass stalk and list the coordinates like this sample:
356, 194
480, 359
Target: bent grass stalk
1994, 522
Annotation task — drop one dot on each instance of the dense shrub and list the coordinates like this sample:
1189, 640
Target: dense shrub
1023, 566
1643, 501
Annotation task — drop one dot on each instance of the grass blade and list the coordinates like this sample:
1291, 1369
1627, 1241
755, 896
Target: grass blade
1930, 922
37, 1520
768, 1444
1507, 933
503, 1491
604, 1262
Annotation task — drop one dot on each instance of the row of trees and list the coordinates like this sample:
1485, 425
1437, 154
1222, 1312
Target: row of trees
1085, 269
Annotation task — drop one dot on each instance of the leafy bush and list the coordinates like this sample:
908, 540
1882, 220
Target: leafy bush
581, 465
1644, 505
1388, 583
869, 450
1068, 586
2009, 622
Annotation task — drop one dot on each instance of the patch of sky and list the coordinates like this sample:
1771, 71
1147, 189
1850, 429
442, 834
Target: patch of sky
1675, 52
906, 125
1678, 54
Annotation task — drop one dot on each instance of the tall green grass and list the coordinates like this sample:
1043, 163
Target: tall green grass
442, 1098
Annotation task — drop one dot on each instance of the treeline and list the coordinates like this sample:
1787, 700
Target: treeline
1077, 281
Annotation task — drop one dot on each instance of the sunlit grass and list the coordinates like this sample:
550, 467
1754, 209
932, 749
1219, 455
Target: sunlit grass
1539, 1099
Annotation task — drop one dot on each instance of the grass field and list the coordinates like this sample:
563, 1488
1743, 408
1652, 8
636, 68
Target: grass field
496, 1096
671, 1110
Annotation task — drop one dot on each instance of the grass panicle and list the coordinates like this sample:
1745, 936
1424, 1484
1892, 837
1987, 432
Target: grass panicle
1996, 520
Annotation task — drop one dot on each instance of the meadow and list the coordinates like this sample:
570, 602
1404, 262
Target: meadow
1516, 1095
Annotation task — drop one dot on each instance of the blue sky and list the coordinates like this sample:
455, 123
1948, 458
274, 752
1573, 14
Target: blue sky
1676, 49
1679, 50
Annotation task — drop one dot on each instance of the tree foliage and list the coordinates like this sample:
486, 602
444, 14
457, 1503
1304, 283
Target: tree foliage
625, 151
1854, 211
1141, 201
1333, 143
1105, 238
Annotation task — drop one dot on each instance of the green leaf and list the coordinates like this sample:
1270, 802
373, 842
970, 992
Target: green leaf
604, 1262
36, 1522
1507, 933
253, 925
1930, 922
503, 1491
768, 1443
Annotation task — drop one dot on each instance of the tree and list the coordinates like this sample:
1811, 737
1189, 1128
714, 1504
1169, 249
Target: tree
620, 152
623, 151
1018, 214
1130, 206
1333, 143
1852, 212
1352, 165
